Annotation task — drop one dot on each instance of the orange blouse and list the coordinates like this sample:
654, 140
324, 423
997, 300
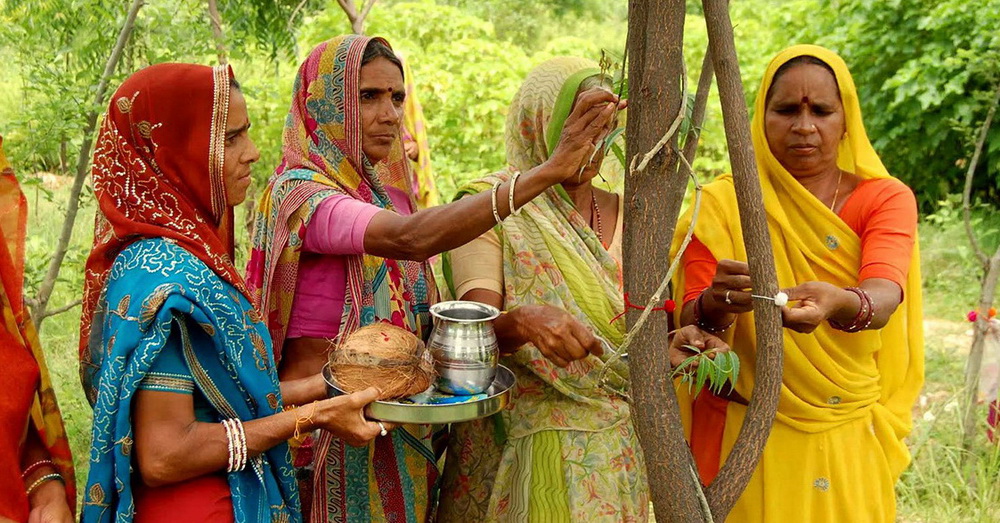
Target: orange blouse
881, 211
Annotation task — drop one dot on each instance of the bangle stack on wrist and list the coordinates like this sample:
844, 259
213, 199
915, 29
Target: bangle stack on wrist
865, 314
237, 443
38, 482
699, 318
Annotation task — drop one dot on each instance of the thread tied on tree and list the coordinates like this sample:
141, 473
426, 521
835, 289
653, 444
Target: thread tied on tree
669, 306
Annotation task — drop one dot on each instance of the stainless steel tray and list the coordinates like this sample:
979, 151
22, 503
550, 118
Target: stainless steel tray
435, 407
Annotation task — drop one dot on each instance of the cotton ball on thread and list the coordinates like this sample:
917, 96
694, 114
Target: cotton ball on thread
781, 299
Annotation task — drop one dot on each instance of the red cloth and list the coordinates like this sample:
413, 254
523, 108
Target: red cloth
882, 212
24, 384
158, 173
205, 498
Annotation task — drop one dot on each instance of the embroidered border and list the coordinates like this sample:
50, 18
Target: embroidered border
217, 141
167, 382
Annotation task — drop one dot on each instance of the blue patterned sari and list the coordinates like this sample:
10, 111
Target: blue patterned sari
156, 287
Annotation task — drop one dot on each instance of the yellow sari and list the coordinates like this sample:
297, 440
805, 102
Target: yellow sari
836, 449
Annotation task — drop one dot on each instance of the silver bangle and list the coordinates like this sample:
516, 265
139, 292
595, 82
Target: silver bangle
493, 196
510, 194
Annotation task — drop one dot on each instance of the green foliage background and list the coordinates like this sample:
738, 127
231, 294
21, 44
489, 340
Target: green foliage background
924, 69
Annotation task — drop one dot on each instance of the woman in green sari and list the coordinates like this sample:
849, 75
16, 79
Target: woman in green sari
565, 449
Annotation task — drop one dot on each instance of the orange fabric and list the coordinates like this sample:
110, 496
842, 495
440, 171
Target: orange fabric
27, 395
881, 211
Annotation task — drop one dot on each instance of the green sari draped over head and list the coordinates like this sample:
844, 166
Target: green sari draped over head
565, 449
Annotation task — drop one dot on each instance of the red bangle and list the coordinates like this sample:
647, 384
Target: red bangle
866, 312
35, 466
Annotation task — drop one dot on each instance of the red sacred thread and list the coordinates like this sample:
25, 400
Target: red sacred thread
669, 306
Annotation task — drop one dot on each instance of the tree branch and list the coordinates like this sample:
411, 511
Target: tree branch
61, 310
220, 37
700, 104
967, 193
82, 164
746, 452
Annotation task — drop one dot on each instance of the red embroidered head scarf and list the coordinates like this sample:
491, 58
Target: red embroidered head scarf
158, 173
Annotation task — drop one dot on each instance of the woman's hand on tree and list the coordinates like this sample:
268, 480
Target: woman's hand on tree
695, 337
558, 335
817, 302
587, 125
344, 417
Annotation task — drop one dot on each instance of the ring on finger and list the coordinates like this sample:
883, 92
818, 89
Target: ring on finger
728, 300
383, 432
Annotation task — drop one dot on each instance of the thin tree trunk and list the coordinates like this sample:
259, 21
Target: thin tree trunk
220, 37
356, 17
991, 273
652, 203
698, 110
82, 164
749, 446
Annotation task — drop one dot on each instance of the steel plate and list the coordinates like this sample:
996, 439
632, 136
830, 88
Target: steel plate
434, 407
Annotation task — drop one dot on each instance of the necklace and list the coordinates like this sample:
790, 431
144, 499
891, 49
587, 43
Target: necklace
833, 206
596, 216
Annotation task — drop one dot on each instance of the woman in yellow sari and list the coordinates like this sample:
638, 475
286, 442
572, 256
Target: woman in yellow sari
843, 233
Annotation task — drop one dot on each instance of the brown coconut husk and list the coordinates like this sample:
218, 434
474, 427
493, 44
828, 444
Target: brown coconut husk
384, 356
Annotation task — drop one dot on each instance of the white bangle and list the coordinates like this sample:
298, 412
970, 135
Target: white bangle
510, 195
242, 445
229, 441
493, 197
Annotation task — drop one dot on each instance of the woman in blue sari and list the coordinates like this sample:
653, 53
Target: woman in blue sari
189, 416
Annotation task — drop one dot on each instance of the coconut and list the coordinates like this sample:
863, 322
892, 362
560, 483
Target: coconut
384, 356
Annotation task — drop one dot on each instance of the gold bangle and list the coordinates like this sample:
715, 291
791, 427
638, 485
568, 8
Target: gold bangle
38, 482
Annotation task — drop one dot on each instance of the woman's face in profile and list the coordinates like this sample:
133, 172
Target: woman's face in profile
804, 120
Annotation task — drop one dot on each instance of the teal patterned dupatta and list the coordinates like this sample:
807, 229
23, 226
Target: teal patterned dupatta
155, 287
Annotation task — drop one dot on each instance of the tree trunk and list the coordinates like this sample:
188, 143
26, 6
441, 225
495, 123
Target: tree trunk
356, 17
220, 37
749, 446
82, 167
991, 273
652, 203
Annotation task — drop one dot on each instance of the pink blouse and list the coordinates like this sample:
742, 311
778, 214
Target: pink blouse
335, 230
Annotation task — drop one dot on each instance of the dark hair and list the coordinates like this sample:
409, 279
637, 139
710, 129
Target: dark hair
235, 84
795, 62
377, 49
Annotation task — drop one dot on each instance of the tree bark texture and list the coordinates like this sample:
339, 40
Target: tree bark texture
991, 273
220, 37
82, 167
749, 446
653, 199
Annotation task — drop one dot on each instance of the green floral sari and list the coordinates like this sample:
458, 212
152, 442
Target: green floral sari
565, 449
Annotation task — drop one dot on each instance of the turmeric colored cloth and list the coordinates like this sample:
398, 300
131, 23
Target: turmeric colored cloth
27, 398
837, 445
415, 130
